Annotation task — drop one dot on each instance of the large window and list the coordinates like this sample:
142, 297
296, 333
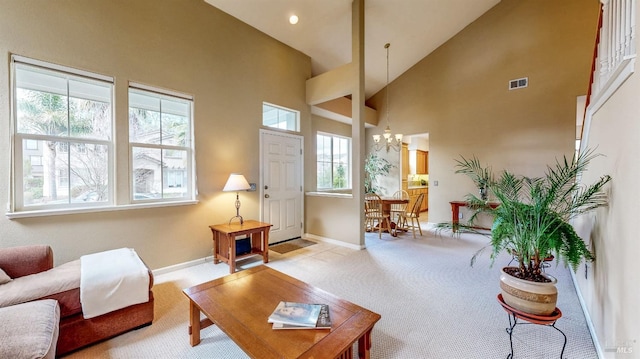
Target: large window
62, 129
160, 137
333, 162
280, 117
63, 143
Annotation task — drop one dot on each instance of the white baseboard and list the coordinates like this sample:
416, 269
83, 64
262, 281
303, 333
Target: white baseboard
334, 241
195, 262
587, 317
175, 267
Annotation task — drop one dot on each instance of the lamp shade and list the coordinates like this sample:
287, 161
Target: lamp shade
236, 182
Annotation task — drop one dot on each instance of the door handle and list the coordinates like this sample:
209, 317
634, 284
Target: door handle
266, 195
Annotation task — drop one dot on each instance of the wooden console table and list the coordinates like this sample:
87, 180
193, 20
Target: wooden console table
455, 212
224, 241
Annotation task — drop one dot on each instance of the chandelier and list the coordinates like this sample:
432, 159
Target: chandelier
390, 141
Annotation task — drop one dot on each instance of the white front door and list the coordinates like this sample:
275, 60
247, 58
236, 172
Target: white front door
281, 184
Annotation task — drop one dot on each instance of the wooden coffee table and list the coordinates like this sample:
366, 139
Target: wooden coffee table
240, 303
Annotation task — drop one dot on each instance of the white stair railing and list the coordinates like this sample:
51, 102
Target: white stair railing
617, 43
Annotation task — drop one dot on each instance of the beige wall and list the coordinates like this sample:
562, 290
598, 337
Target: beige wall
328, 217
459, 94
186, 46
609, 285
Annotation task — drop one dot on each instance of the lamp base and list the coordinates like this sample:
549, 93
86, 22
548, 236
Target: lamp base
237, 210
238, 216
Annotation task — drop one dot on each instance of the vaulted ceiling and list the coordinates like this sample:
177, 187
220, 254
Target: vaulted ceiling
414, 28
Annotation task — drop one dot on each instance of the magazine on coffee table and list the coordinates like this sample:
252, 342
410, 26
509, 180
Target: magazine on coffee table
298, 314
324, 321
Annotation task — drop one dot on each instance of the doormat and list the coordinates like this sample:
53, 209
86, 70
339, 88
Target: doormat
291, 245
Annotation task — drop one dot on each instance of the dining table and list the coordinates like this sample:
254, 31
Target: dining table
386, 209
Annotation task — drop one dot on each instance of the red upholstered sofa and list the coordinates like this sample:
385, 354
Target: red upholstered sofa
31, 266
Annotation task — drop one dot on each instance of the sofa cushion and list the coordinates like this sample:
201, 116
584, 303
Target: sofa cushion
4, 278
25, 260
29, 330
39, 285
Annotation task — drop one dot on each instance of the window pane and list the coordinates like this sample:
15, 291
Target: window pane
144, 126
90, 114
175, 129
339, 176
156, 120
147, 173
324, 148
44, 184
89, 172
33, 180
279, 117
324, 175
174, 174
333, 162
41, 113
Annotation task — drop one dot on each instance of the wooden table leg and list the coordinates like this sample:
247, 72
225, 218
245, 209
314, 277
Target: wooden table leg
265, 245
364, 346
216, 246
455, 213
232, 253
194, 324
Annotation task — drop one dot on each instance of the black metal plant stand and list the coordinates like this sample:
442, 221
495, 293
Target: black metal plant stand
514, 315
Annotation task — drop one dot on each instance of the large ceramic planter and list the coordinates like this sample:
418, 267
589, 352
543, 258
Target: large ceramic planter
528, 296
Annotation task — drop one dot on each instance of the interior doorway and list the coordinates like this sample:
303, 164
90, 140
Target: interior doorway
414, 167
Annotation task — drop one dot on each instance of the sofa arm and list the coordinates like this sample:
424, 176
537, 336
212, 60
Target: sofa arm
25, 260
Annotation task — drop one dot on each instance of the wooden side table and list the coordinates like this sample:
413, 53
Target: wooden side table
455, 212
547, 320
224, 241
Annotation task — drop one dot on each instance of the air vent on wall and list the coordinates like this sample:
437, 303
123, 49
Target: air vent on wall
518, 83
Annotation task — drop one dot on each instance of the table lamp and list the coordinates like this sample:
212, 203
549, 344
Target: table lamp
236, 182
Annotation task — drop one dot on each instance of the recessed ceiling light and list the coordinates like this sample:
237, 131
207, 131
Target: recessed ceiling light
293, 19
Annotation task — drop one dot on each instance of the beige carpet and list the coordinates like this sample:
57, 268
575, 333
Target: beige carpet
433, 305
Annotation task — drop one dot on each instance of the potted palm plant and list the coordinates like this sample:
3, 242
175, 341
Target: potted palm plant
532, 223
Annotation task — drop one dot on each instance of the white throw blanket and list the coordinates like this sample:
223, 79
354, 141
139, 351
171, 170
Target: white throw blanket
112, 280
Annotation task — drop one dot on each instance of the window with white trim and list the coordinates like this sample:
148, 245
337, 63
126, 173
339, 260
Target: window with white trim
56, 108
280, 117
333, 162
161, 145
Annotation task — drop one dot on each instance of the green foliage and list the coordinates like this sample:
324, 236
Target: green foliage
481, 176
532, 220
375, 166
340, 178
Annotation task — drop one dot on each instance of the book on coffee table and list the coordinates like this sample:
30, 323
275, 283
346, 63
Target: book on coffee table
297, 314
323, 322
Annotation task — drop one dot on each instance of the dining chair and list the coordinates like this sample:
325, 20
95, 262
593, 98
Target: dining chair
399, 209
374, 214
414, 215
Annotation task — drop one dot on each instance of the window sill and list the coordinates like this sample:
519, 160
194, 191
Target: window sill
58, 212
329, 194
